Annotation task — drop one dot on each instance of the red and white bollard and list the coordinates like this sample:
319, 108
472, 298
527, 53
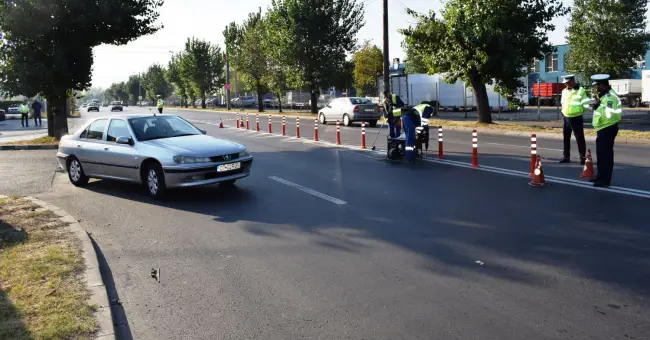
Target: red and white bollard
533, 154
270, 125
257, 122
237, 121
297, 127
284, 127
440, 151
338, 133
316, 130
248, 127
363, 135
474, 149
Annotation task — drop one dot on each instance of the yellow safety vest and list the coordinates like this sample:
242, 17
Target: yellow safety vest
24, 108
609, 111
161, 103
573, 102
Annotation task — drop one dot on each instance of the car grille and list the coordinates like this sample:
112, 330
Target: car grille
232, 157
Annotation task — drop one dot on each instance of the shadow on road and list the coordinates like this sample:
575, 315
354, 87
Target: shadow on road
120, 321
453, 217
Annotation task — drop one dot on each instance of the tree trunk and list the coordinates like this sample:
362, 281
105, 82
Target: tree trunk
279, 102
193, 99
50, 117
260, 101
483, 103
315, 93
203, 99
58, 108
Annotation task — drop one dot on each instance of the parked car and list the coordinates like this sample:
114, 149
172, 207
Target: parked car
244, 101
349, 110
14, 109
157, 151
3, 115
116, 106
93, 107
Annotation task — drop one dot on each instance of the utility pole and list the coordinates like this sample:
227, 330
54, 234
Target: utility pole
227, 77
386, 66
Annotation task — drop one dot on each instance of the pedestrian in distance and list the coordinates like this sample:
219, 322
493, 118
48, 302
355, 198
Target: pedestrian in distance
37, 107
607, 115
24, 114
574, 102
160, 104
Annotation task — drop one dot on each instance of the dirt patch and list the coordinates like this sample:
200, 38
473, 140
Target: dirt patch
46, 140
42, 294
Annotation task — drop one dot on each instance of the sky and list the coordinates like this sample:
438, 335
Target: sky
206, 19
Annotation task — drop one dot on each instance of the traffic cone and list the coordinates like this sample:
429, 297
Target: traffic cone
220, 123
588, 170
538, 175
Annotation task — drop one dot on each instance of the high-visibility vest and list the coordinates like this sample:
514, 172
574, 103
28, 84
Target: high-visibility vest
573, 102
24, 108
161, 103
609, 111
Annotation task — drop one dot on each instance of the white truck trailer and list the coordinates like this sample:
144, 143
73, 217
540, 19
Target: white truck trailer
645, 87
629, 90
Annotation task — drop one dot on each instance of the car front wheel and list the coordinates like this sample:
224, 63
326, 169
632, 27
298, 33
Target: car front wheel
155, 181
346, 120
76, 173
321, 118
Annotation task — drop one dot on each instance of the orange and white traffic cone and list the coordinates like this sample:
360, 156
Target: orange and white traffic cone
588, 170
220, 123
538, 175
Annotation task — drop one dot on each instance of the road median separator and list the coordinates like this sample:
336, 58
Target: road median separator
236, 111
50, 284
41, 143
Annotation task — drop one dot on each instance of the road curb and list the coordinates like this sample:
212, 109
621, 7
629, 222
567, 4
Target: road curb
29, 147
92, 275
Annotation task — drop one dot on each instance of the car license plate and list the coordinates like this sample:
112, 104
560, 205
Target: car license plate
369, 110
228, 167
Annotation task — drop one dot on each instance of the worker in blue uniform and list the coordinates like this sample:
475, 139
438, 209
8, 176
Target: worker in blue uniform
392, 108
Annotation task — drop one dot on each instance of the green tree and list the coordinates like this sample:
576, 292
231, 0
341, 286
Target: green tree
344, 77
51, 53
174, 77
484, 42
368, 67
201, 67
277, 77
155, 83
316, 35
134, 88
607, 36
414, 62
252, 61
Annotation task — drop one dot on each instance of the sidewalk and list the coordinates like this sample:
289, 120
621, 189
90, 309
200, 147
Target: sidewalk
12, 131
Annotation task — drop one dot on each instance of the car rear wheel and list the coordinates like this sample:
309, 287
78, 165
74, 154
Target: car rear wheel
76, 173
155, 181
322, 119
346, 120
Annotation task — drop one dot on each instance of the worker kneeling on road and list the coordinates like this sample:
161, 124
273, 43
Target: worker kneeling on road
410, 119
392, 108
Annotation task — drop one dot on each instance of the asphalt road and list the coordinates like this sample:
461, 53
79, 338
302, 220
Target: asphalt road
328, 243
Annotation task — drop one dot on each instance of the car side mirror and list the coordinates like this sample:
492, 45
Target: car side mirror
124, 140
203, 131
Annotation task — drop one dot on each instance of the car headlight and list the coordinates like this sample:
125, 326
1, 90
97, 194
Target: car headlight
244, 154
191, 160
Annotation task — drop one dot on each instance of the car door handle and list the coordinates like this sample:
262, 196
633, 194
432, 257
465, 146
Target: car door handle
78, 145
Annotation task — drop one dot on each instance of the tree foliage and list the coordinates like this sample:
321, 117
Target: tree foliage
484, 42
51, 52
368, 67
413, 60
201, 67
315, 35
607, 36
134, 88
154, 82
252, 60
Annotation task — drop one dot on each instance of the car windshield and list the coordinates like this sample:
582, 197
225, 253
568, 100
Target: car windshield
357, 101
158, 127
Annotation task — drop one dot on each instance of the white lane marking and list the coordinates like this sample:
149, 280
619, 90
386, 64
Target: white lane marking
309, 191
519, 146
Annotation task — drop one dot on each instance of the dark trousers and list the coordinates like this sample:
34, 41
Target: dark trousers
160, 110
24, 119
605, 153
37, 119
575, 125
394, 128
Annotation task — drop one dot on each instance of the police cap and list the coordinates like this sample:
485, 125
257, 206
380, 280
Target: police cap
599, 79
568, 78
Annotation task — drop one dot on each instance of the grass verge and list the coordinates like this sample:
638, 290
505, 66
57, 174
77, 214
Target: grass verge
41, 293
45, 140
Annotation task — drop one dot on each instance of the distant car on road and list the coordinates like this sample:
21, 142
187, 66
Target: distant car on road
14, 109
116, 106
157, 151
93, 107
350, 109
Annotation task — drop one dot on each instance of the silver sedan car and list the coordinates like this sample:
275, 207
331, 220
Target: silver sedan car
157, 151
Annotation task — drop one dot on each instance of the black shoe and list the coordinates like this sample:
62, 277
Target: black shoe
592, 180
601, 184
565, 161
583, 160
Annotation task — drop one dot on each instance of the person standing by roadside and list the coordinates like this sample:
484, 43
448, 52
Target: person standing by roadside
607, 114
37, 107
24, 114
574, 99
160, 104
